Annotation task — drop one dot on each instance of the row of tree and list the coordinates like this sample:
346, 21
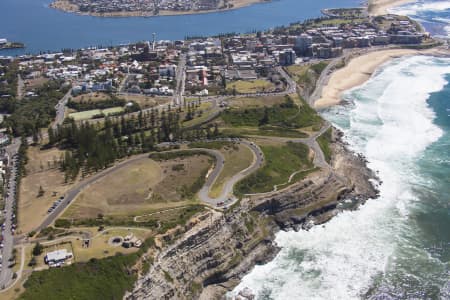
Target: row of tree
91, 147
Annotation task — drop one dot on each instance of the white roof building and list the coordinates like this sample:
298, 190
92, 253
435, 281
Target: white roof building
57, 256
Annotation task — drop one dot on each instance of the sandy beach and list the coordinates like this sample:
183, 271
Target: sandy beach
380, 7
358, 71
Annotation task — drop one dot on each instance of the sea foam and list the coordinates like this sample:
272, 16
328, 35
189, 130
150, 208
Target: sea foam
346, 258
418, 7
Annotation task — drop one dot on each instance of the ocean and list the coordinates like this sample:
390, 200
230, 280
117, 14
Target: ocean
398, 245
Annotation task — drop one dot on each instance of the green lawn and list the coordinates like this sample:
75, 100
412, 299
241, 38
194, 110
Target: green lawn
280, 162
107, 278
89, 114
263, 131
287, 115
251, 86
324, 142
306, 76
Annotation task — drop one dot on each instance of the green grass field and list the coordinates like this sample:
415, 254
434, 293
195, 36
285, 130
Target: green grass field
265, 131
306, 76
251, 86
107, 278
281, 162
324, 142
89, 114
287, 115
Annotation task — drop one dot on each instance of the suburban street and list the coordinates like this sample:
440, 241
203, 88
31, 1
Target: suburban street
20, 87
225, 198
8, 238
61, 109
180, 76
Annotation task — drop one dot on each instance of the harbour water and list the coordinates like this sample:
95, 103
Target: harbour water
44, 29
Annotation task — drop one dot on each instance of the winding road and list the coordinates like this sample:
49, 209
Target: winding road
226, 196
224, 199
74, 191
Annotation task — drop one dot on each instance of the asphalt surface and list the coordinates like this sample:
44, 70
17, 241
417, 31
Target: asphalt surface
8, 238
61, 109
203, 194
226, 197
20, 87
181, 80
73, 193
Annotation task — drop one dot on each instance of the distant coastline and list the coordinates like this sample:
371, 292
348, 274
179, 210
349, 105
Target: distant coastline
381, 7
67, 6
12, 45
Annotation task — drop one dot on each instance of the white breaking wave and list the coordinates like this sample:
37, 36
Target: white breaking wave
418, 7
392, 125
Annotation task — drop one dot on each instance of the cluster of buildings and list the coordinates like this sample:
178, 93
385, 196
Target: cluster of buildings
214, 62
329, 41
105, 6
145, 68
151, 68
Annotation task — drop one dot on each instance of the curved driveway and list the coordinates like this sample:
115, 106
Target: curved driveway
226, 196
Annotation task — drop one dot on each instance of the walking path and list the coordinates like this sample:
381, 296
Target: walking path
225, 198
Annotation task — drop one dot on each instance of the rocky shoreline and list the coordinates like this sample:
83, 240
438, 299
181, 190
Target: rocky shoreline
209, 256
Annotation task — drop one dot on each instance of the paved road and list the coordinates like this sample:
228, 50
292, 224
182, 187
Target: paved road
123, 83
20, 87
181, 78
179, 96
73, 192
61, 109
226, 196
311, 142
291, 84
8, 239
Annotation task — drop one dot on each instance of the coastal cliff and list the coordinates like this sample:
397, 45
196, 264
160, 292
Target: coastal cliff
206, 259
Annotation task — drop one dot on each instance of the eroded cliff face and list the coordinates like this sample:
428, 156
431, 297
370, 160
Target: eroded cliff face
210, 257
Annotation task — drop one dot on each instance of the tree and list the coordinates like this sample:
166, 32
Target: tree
265, 118
32, 262
51, 136
216, 130
41, 191
37, 250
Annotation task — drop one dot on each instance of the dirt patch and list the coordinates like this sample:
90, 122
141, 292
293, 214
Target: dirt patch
170, 188
254, 102
142, 186
93, 97
145, 101
42, 171
35, 83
